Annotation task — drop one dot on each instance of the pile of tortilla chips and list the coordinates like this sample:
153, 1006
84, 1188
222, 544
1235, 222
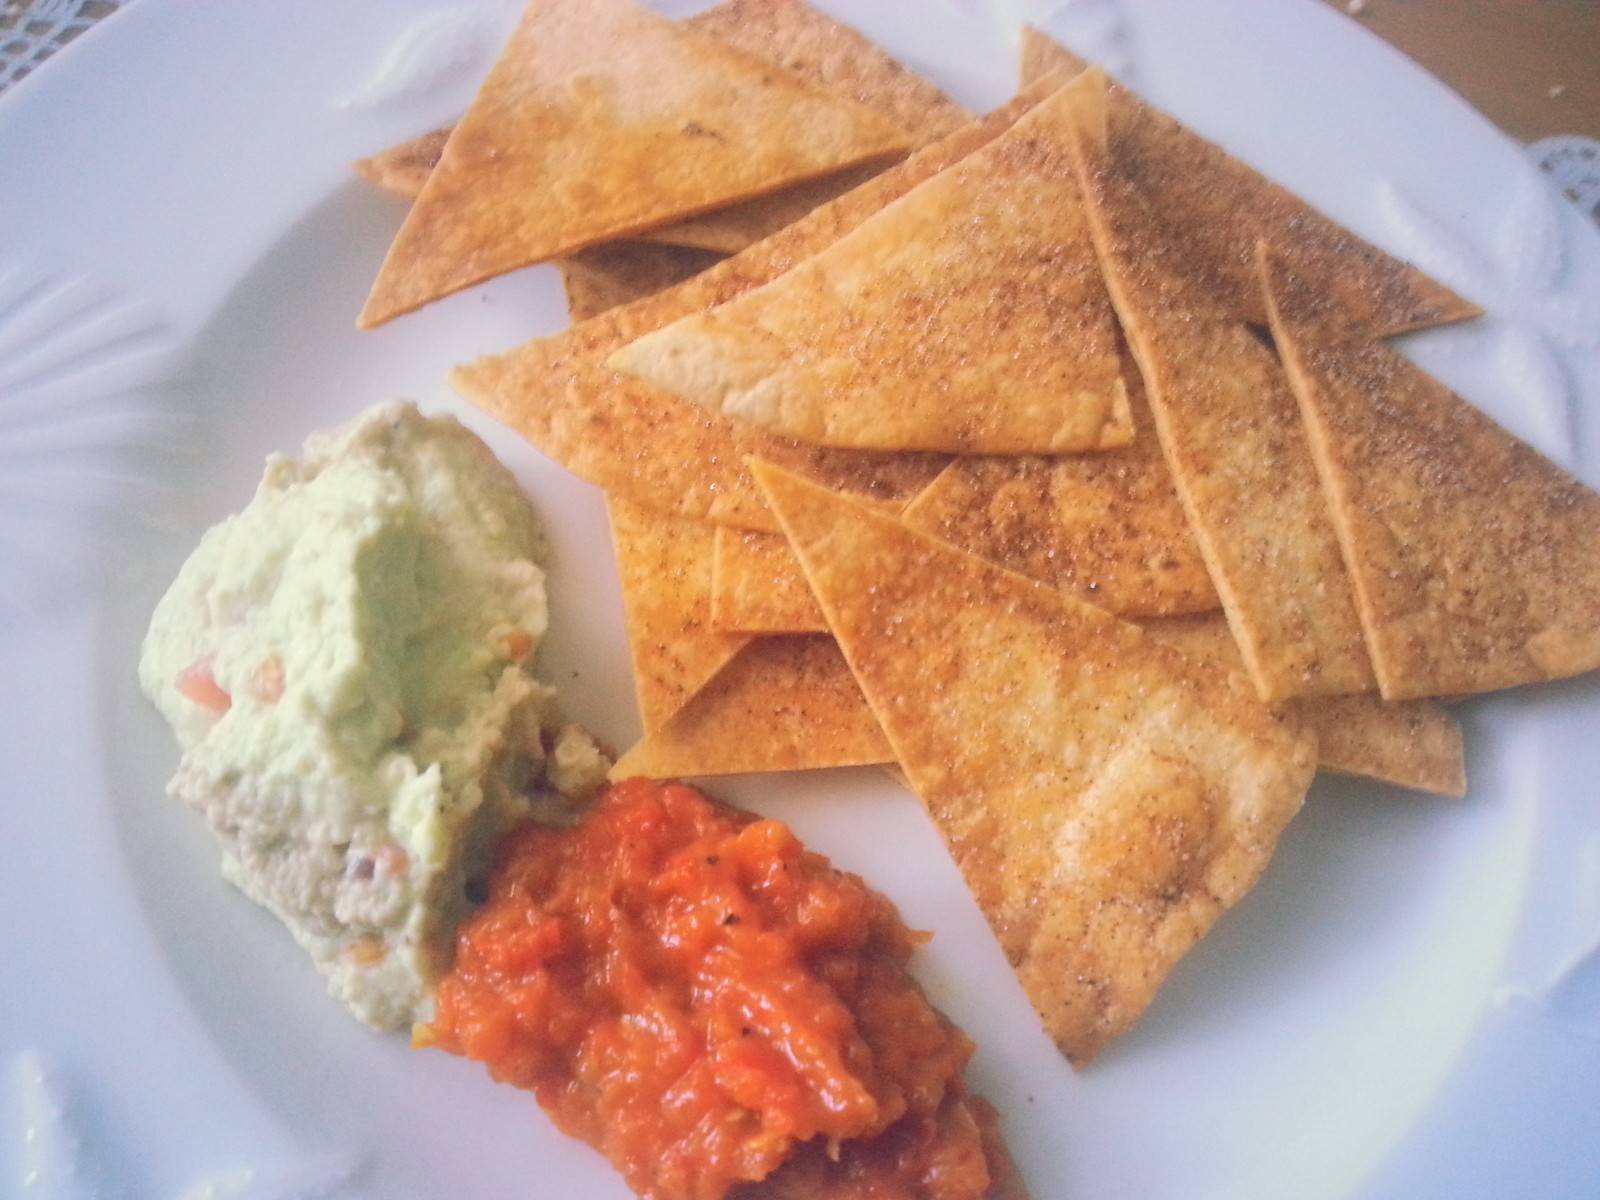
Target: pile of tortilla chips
1055, 456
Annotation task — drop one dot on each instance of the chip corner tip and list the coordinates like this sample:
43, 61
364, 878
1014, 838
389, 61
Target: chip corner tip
1084, 105
627, 767
374, 313
474, 378
764, 470
1080, 1049
632, 358
1459, 308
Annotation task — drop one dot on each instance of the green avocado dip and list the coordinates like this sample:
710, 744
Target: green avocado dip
347, 665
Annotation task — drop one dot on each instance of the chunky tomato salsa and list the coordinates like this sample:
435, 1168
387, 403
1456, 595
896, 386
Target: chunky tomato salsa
716, 1009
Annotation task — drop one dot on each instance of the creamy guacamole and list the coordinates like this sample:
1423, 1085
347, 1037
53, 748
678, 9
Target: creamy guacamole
347, 666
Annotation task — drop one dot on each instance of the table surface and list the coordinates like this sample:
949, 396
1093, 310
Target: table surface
1531, 66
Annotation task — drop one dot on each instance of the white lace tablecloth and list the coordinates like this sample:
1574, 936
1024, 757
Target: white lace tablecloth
32, 30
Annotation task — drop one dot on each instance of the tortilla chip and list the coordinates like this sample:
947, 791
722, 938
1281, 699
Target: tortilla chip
729, 230
602, 277
1107, 528
781, 704
1042, 55
1105, 797
402, 170
966, 317
1476, 560
724, 231
1410, 743
757, 585
664, 563
1232, 437
1216, 207
661, 451
814, 46
600, 119
798, 38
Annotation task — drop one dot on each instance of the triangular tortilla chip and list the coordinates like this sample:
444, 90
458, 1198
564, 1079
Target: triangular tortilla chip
1476, 560
1107, 528
603, 277
798, 38
781, 704
1411, 743
757, 585
730, 230
1042, 55
660, 451
966, 317
1105, 797
818, 47
403, 169
1232, 437
814, 46
664, 563
1216, 207
600, 119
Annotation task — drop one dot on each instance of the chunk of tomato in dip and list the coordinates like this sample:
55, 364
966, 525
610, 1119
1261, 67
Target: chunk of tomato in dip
719, 1011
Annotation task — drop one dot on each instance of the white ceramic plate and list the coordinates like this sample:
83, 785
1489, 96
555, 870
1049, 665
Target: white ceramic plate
1408, 1005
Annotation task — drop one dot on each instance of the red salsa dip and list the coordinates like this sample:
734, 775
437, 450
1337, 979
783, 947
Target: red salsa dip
716, 1009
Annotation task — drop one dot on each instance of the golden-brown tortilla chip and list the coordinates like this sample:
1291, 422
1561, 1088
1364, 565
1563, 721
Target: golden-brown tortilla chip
402, 170
603, 277
798, 38
1410, 743
757, 585
1232, 437
664, 563
1216, 207
1105, 796
729, 230
1107, 528
1042, 55
1476, 560
814, 46
600, 119
660, 451
967, 317
781, 704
